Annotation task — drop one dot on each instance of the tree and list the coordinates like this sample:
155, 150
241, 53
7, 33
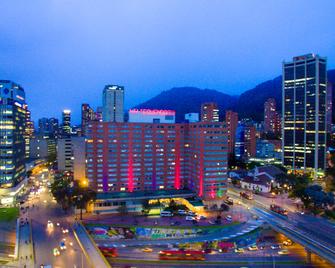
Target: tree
62, 189
318, 198
68, 193
330, 174
81, 197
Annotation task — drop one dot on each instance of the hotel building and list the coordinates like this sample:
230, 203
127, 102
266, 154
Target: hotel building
151, 156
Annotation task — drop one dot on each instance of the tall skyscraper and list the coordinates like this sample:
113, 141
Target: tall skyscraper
272, 119
209, 112
231, 122
12, 133
48, 127
112, 103
304, 113
29, 131
87, 115
66, 123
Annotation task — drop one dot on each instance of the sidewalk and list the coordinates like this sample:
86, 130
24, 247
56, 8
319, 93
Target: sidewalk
89, 248
26, 252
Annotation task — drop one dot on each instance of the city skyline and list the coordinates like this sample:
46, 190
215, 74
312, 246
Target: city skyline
97, 61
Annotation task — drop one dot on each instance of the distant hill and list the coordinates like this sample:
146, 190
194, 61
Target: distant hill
189, 99
249, 104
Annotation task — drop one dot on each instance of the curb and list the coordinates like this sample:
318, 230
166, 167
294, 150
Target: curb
95, 246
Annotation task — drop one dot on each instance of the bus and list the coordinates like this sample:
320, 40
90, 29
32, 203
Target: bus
166, 213
108, 251
194, 255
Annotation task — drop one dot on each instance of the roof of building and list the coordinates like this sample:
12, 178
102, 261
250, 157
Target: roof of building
259, 180
145, 194
271, 170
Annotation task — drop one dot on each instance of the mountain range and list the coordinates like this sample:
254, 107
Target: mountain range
249, 104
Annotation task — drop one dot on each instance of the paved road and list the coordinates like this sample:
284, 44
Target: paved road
46, 238
315, 233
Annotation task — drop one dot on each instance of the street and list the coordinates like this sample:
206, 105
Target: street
44, 208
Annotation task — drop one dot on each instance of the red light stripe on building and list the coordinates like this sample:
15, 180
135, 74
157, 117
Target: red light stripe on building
130, 162
177, 161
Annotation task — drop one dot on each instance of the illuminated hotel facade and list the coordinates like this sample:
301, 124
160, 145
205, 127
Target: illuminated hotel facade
304, 114
12, 134
151, 156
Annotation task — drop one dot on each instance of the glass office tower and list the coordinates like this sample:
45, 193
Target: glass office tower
12, 133
304, 114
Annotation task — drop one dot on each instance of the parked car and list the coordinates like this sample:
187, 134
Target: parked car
229, 218
189, 218
239, 250
288, 243
252, 248
283, 252
181, 212
275, 247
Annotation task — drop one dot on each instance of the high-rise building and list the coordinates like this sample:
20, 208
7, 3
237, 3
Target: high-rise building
209, 112
29, 131
112, 103
12, 133
304, 113
232, 122
271, 117
98, 114
152, 156
48, 127
87, 115
71, 156
66, 123
245, 145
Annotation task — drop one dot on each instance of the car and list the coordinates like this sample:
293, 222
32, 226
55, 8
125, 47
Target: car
239, 250
201, 217
229, 201
58, 224
147, 249
65, 230
275, 247
71, 244
211, 222
283, 252
191, 213
252, 248
62, 245
182, 212
229, 218
287, 242
56, 252
50, 224
189, 218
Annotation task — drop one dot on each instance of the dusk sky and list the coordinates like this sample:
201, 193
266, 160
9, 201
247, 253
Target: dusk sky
63, 52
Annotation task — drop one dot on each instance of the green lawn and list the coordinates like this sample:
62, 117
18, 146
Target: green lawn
8, 214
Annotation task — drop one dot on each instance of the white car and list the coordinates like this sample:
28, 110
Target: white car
191, 213
50, 224
189, 218
182, 212
229, 218
65, 231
